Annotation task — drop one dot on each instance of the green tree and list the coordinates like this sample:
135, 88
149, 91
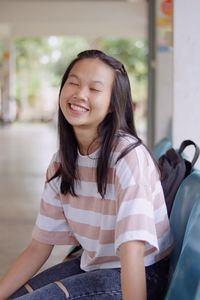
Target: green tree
27, 52
131, 52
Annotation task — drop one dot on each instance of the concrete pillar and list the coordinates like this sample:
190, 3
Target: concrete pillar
7, 77
186, 95
164, 70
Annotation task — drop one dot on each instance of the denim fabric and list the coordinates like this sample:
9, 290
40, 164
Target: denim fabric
102, 284
99, 284
157, 276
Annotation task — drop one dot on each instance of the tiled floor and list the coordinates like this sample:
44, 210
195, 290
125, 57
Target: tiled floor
25, 152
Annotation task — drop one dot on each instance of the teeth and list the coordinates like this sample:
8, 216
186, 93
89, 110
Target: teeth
78, 108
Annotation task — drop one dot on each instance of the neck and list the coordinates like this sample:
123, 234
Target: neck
87, 141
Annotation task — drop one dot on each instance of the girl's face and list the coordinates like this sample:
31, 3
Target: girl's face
85, 96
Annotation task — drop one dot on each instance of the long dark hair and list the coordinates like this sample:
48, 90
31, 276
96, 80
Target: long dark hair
119, 121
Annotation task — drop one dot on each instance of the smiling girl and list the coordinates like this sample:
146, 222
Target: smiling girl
102, 192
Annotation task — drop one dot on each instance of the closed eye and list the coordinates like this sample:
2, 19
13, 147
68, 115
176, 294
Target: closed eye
73, 83
94, 90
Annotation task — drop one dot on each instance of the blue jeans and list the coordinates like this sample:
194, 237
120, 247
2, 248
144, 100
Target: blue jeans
67, 281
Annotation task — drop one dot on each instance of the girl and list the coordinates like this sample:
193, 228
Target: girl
102, 192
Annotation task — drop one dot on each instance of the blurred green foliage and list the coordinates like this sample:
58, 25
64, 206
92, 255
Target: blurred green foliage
131, 52
45, 59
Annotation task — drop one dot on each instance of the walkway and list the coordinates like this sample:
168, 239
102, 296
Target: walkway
25, 152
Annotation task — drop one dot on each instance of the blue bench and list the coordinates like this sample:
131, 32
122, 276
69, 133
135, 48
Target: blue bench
184, 278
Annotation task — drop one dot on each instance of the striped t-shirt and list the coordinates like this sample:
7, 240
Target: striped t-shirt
132, 209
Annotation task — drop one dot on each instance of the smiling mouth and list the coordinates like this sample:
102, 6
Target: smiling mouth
78, 108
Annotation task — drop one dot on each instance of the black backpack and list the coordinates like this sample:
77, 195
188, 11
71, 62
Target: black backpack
174, 167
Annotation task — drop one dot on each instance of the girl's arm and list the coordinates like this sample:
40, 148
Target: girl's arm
25, 266
133, 278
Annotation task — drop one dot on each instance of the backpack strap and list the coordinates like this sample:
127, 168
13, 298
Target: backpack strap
186, 143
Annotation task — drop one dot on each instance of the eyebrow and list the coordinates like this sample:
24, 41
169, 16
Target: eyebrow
93, 81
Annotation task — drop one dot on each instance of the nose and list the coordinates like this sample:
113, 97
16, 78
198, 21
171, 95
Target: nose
82, 93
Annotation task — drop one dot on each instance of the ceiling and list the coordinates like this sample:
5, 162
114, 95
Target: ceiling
91, 18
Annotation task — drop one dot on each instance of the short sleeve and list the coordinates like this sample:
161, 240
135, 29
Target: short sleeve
137, 187
51, 225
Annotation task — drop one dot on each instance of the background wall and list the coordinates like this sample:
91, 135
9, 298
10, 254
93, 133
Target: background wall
186, 94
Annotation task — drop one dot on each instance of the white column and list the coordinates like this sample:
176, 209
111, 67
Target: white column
186, 98
164, 70
7, 76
